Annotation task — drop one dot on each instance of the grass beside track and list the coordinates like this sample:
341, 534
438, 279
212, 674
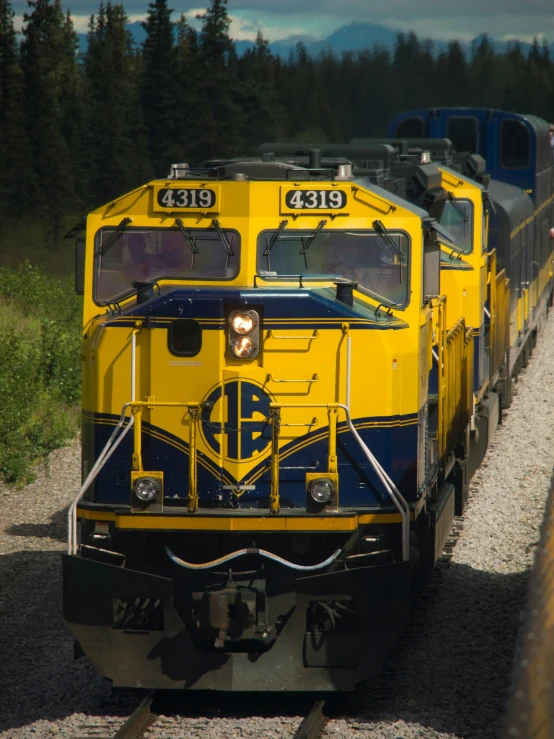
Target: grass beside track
40, 352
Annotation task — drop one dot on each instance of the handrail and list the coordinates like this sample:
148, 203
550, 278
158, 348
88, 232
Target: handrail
137, 407
454, 380
315, 335
315, 378
105, 454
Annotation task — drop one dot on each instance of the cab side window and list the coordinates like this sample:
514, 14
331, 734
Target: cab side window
515, 145
464, 133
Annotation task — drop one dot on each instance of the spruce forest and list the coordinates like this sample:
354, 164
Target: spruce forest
77, 129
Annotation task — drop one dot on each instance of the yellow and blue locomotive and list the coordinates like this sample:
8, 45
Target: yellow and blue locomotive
273, 402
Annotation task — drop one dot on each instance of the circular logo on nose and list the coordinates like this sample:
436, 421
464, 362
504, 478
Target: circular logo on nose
234, 419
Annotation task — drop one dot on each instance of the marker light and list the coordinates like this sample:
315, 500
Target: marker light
322, 490
242, 323
243, 347
147, 489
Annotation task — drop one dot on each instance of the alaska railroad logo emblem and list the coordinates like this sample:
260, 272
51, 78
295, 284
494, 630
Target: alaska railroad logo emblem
234, 420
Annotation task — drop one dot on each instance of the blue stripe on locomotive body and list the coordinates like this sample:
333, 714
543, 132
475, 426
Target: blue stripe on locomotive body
282, 308
393, 440
533, 178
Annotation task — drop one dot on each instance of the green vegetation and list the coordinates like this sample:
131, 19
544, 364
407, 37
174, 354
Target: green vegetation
40, 372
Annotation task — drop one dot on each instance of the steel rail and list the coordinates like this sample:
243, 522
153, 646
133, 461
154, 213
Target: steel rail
138, 721
312, 726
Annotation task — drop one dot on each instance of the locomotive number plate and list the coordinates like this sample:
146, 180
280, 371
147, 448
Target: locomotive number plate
314, 199
187, 198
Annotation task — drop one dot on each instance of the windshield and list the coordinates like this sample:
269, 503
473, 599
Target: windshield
457, 217
175, 253
378, 262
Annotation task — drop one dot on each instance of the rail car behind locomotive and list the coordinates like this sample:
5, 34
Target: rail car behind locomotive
516, 147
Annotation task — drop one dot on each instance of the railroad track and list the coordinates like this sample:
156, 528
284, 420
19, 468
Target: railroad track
312, 726
144, 717
139, 721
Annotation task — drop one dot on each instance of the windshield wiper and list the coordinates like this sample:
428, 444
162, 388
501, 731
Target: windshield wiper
305, 245
458, 207
113, 237
390, 242
228, 249
271, 242
189, 238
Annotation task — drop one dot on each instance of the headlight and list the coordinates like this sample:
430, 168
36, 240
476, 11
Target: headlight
242, 323
243, 333
243, 347
322, 490
147, 489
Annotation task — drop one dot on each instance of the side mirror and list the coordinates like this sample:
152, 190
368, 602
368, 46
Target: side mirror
80, 265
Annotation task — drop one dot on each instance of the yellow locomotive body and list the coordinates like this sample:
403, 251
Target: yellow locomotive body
260, 472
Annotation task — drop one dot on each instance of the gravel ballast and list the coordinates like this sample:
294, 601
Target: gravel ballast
448, 679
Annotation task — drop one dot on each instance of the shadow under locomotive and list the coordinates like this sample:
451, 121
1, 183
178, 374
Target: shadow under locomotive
55, 528
453, 677
39, 678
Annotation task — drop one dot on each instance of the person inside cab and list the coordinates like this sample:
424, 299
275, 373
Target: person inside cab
137, 266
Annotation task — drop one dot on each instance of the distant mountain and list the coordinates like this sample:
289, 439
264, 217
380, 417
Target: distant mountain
352, 37
356, 37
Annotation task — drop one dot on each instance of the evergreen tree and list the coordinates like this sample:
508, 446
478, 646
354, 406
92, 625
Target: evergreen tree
189, 85
158, 88
452, 76
299, 98
260, 100
484, 81
45, 61
372, 94
515, 95
72, 118
14, 144
219, 113
115, 127
409, 82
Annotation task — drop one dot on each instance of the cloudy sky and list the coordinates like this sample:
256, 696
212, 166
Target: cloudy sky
501, 19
